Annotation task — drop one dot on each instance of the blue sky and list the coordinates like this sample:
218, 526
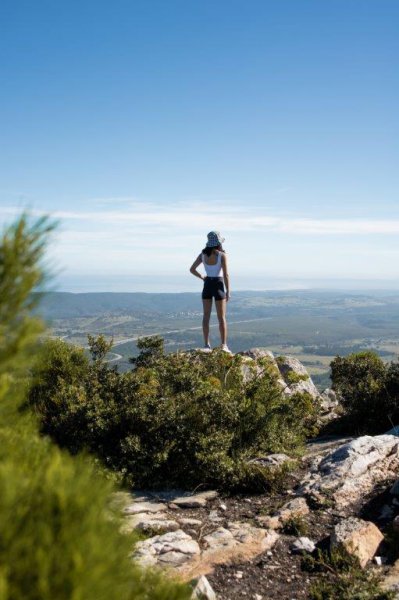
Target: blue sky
142, 125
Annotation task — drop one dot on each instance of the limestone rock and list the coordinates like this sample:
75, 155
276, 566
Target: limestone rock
271, 460
190, 522
296, 376
250, 366
203, 590
303, 544
297, 507
144, 507
256, 353
170, 549
236, 543
290, 364
353, 469
195, 500
139, 521
157, 525
328, 400
303, 387
358, 537
220, 538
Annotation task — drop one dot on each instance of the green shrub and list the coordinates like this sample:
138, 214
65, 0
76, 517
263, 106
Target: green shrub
293, 377
369, 391
341, 578
59, 537
297, 526
178, 419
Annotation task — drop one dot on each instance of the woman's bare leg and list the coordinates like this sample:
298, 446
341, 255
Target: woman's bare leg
207, 304
221, 313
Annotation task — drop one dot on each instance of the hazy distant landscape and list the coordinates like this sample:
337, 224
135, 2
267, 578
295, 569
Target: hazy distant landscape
312, 325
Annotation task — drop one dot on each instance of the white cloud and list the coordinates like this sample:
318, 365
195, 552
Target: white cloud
194, 218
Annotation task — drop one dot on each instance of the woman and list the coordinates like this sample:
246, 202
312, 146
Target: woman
214, 260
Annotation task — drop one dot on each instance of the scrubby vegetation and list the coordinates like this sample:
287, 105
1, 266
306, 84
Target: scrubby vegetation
58, 535
183, 419
342, 578
369, 389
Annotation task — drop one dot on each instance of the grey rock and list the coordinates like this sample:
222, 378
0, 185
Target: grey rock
190, 522
157, 526
297, 507
203, 590
271, 460
303, 387
290, 365
303, 544
353, 469
170, 549
358, 537
144, 507
195, 500
219, 538
256, 353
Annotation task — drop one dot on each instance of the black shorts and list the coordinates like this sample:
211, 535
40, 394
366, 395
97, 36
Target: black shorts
213, 288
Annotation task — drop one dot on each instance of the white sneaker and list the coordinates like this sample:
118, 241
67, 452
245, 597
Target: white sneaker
225, 348
207, 348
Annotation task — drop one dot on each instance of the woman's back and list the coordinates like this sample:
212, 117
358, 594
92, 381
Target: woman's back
213, 263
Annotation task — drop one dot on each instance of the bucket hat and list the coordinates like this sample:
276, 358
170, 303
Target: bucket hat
214, 239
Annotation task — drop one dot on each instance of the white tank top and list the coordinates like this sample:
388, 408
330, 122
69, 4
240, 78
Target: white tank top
213, 270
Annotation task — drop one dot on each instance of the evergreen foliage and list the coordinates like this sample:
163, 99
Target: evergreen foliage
369, 389
181, 419
340, 577
59, 538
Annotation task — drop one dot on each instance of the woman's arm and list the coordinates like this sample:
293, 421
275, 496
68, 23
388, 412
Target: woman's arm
193, 268
226, 276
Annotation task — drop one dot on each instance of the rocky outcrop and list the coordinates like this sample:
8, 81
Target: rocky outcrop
296, 376
172, 549
189, 552
359, 538
351, 471
291, 374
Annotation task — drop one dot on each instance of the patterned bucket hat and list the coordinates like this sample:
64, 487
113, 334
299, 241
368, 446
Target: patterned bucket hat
214, 239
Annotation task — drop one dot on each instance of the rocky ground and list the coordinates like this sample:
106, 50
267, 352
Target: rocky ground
245, 545
343, 493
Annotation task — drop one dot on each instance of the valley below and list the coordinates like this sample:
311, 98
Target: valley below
314, 326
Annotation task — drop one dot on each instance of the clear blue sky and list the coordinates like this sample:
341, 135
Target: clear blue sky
144, 124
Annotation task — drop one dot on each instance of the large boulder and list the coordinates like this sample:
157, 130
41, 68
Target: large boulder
359, 538
349, 472
172, 549
296, 376
253, 364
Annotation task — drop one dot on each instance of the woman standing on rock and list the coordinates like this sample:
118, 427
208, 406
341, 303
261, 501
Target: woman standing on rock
214, 259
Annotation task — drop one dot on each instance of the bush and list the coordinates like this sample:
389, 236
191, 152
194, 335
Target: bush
341, 578
178, 419
369, 391
59, 538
